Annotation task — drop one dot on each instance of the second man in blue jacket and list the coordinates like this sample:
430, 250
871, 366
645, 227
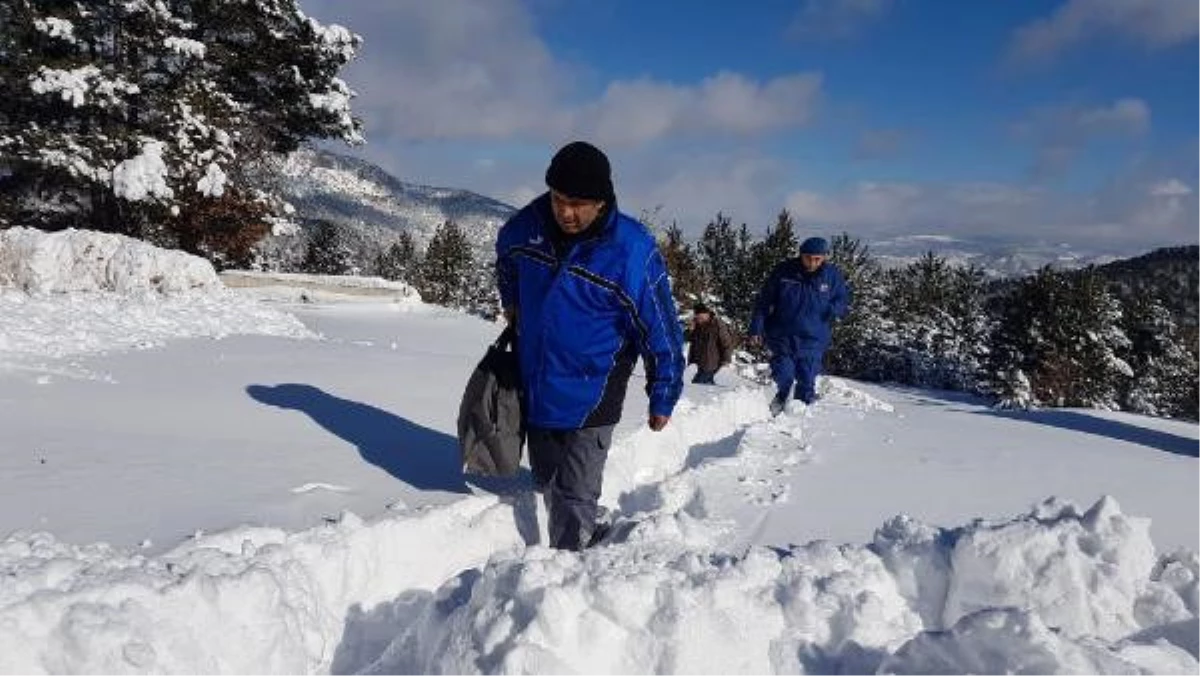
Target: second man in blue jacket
794, 312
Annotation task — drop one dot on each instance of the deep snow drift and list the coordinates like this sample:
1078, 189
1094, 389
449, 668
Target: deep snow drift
704, 574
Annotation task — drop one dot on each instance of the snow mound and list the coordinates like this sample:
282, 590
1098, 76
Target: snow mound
81, 260
79, 292
1012, 641
658, 605
249, 600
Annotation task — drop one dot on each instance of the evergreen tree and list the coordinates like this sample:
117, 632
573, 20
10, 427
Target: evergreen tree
937, 312
399, 262
1063, 332
1164, 369
718, 257
149, 118
972, 328
779, 245
864, 339
482, 297
448, 268
1017, 346
742, 280
687, 278
327, 252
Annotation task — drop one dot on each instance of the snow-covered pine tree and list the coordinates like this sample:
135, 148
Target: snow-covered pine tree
779, 244
687, 279
759, 258
272, 73
936, 308
1063, 332
1092, 343
972, 326
327, 252
481, 296
743, 278
447, 268
717, 255
151, 118
1017, 341
62, 106
399, 262
864, 340
1164, 381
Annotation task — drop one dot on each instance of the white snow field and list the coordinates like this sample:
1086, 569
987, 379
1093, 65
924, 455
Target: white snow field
198, 479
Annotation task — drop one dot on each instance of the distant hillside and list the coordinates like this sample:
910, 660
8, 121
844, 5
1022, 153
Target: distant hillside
372, 207
998, 258
1171, 274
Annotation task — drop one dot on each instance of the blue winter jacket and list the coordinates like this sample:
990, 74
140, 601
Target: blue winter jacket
795, 309
583, 318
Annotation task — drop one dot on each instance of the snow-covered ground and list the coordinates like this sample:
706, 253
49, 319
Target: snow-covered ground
198, 479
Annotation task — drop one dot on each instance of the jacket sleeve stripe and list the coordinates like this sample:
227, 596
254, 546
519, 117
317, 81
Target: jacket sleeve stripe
535, 254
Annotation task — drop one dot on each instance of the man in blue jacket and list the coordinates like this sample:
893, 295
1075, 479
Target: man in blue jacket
588, 291
794, 312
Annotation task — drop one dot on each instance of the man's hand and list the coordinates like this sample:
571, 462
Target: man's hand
756, 341
510, 315
657, 422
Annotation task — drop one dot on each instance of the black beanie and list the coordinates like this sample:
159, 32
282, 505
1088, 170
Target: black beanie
581, 170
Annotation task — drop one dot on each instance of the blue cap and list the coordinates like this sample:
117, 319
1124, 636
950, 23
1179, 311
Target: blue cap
816, 246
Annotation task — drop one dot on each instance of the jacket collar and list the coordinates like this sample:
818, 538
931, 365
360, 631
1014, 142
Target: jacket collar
601, 229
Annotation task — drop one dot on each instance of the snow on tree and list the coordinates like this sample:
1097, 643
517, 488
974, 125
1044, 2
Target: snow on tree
146, 118
1063, 330
1164, 367
327, 252
447, 270
865, 339
937, 314
779, 245
400, 261
687, 279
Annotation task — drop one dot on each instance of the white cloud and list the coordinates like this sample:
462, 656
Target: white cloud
1125, 212
445, 70
1170, 188
827, 20
1060, 133
691, 188
1148, 23
635, 112
1163, 205
1127, 115
457, 70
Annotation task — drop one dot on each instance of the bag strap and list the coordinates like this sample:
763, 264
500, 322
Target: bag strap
506, 338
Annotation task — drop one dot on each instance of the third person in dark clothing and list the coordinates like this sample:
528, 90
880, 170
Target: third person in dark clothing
794, 313
710, 344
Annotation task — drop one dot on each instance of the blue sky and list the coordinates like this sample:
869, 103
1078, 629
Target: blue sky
1054, 120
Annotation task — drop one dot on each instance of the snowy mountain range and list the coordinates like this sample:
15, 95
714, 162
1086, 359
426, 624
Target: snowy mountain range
997, 257
358, 194
377, 206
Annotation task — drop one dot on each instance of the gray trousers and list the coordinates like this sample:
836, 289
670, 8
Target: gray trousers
568, 467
